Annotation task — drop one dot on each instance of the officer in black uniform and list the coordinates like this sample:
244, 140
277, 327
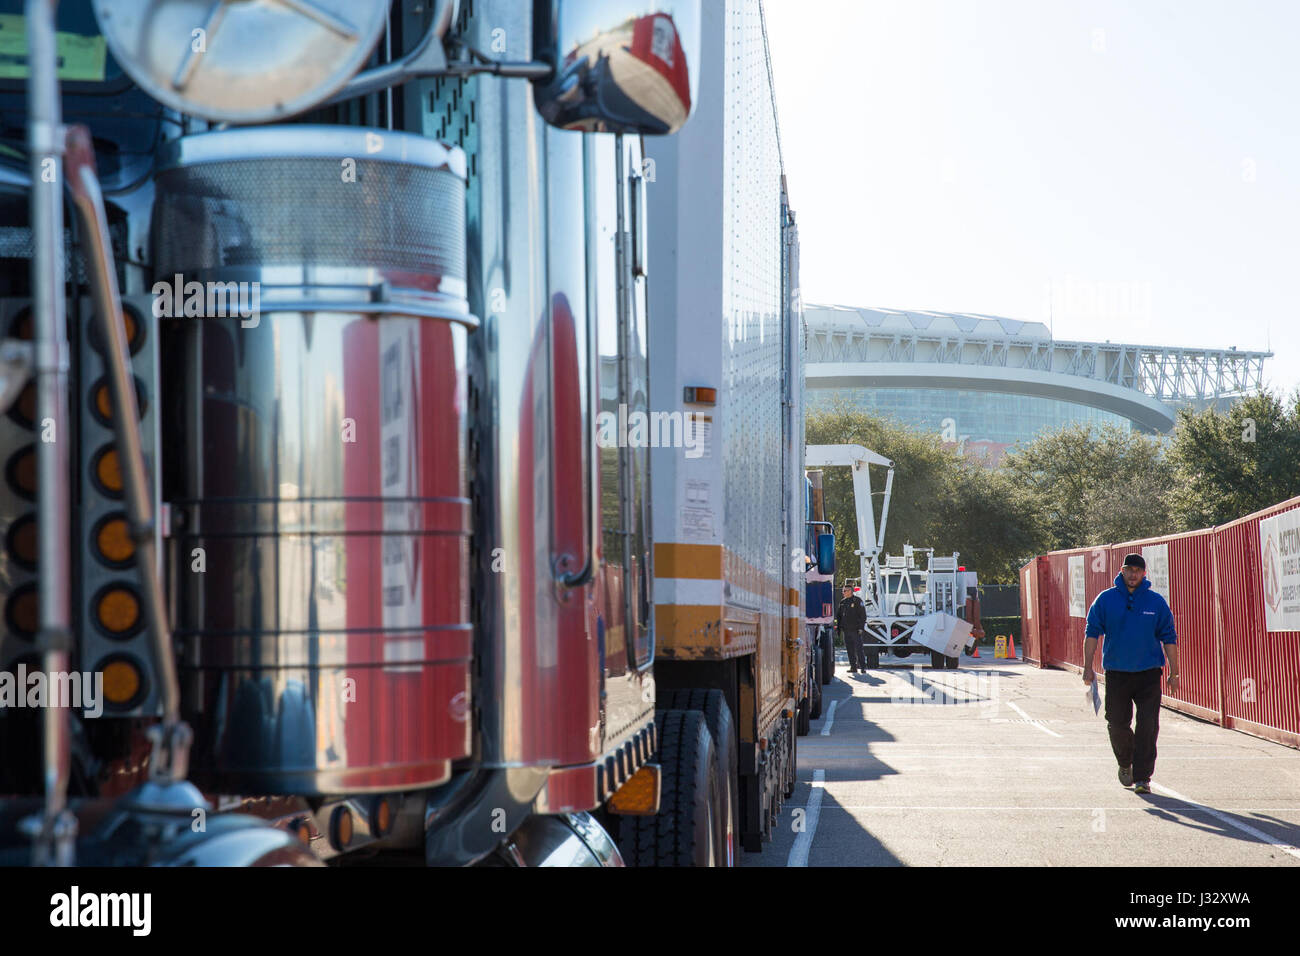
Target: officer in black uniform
850, 619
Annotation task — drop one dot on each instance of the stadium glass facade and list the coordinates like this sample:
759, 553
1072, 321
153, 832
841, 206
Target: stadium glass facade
992, 417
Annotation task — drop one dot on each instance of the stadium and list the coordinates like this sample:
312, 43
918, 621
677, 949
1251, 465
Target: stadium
986, 383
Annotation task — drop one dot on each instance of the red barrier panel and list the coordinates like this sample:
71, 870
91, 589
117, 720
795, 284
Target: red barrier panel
1031, 608
1232, 669
1261, 669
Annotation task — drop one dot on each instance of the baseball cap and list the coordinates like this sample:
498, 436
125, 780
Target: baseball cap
1135, 560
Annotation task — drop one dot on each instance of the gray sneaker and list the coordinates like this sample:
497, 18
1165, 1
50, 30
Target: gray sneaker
1142, 786
1126, 776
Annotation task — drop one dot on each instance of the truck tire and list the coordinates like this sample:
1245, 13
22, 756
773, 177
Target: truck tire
791, 769
803, 718
717, 714
938, 661
816, 692
828, 655
953, 662
873, 658
685, 831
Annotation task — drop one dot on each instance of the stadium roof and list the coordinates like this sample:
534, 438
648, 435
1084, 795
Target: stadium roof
893, 348
935, 323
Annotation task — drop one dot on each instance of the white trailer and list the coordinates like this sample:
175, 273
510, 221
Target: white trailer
725, 334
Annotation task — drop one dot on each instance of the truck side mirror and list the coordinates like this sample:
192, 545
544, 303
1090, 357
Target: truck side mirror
620, 66
826, 554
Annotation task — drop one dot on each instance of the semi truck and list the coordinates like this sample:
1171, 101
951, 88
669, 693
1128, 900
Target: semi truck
313, 323
726, 337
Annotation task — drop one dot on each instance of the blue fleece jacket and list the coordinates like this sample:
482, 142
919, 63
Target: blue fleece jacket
1135, 626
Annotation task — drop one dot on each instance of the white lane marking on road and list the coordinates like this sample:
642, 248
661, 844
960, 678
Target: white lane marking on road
803, 842
1046, 730
1230, 821
830, 719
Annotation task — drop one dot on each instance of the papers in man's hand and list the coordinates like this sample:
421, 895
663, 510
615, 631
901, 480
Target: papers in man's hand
1092, 697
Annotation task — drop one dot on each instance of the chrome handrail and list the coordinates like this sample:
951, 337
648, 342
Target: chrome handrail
169, 762
54, 833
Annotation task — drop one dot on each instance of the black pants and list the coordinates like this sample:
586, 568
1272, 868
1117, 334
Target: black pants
853, 644
1135, 747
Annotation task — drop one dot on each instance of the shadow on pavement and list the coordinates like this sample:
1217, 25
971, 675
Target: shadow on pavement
1197, 817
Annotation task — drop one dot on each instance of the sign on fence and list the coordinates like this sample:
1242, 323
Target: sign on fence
1078, 602
1157, 558
1279, 556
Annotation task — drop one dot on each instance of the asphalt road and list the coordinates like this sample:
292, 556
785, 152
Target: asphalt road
1007, 766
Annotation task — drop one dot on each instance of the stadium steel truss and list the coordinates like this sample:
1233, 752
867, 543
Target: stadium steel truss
883, 348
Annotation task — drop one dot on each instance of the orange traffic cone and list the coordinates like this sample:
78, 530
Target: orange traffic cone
976, 652
1011, 648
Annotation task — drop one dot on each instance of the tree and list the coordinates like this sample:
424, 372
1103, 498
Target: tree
922, 471
1234, 462
938, 500
1095, 485
992, 522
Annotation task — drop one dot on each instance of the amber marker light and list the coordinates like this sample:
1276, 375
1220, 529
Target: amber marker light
132, 328
117, 611
104, 402
341, 828
383, 816
108, 470
700, 395
123, 682
101, 401
113, 541
639, 797
131, 323
22, 541
24, 409
22, 612
21, 472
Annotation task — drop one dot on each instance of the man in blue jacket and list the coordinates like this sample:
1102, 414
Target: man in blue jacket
1139, 629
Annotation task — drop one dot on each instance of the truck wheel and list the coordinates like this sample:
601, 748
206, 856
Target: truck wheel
713, 704
828, 655
804, 719
953, 662
937, 660
873, 658
791, 769
816, 696
686, 830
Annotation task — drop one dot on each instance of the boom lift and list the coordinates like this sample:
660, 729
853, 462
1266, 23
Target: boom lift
907, 610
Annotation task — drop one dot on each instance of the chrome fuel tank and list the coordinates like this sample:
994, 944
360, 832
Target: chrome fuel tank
310, 285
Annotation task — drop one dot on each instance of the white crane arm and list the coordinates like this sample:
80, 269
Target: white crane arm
870, 541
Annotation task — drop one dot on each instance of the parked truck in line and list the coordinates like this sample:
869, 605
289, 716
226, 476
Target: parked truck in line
303, 435
726, 338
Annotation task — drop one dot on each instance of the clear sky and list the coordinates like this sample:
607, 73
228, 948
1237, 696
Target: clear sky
1128, 170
